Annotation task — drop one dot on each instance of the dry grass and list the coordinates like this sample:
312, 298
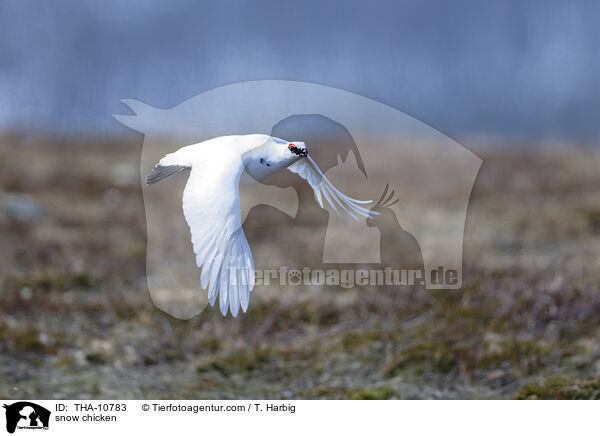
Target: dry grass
77, 321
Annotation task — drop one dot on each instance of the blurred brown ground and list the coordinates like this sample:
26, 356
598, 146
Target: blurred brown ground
76, 320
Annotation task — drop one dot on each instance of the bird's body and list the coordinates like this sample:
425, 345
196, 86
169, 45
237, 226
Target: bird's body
211, 203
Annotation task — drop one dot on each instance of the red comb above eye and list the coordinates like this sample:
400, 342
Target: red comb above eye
291, 146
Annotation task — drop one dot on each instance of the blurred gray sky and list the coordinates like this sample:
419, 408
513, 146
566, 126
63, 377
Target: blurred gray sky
512, 69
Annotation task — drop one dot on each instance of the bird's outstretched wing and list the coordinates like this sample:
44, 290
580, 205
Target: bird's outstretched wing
211, 206
309, 171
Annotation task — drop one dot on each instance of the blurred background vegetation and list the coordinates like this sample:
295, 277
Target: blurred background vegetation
515, 82
77, 320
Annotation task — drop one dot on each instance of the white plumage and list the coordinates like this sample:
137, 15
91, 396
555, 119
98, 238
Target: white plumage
211, 204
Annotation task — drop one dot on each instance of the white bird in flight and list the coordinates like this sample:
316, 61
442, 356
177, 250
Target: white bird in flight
211, 204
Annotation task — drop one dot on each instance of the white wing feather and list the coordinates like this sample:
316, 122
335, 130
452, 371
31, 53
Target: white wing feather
322, 187
211, 206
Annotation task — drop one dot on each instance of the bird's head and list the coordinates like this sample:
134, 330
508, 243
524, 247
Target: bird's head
278, 154
284, 153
